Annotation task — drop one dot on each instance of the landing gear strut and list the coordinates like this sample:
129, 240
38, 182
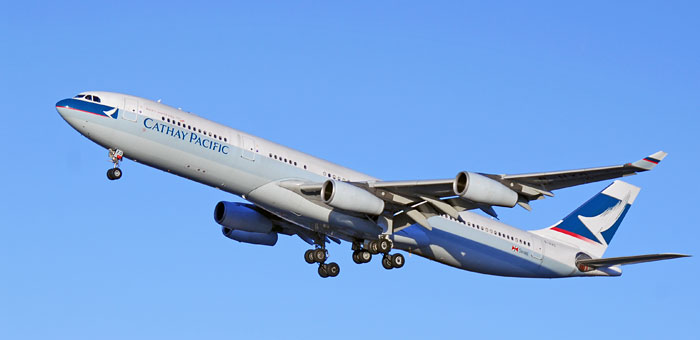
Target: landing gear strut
115, 157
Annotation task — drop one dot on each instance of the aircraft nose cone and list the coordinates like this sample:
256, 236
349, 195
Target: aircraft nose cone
62, 105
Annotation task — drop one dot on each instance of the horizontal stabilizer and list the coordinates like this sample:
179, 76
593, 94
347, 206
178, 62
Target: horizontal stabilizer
614, 261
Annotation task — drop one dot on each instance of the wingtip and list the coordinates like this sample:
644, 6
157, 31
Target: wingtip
649, 162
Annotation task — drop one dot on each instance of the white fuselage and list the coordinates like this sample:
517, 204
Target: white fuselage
187, 145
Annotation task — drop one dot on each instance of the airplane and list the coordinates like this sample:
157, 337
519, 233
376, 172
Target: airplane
292, 193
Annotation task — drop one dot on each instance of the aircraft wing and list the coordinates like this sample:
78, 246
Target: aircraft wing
414, 201
529, 186
614, 261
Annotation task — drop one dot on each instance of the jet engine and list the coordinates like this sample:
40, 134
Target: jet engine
481, 189
243, 223
265, 239
348, 197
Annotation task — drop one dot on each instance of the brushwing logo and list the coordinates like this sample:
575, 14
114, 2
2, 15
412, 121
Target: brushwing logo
603, 222
111, 113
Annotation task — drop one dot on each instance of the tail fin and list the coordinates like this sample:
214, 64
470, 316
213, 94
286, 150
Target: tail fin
592, 226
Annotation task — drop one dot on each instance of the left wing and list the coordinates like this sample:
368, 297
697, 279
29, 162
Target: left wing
408, 202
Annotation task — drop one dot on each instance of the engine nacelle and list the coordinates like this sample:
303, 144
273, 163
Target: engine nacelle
265, 239
346, 196
481, 189
239, 216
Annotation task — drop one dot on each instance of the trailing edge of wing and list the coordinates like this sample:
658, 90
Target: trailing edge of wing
614, 261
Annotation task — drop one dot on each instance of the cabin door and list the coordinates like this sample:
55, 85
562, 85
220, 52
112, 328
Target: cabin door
131, 107
248, 145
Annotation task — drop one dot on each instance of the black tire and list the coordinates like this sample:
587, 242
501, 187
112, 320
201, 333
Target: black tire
365, 256
109, 174
386, 262
333, 269
397, 260
320, 255
322, 271
356, 257
116, 173
384, 246
309, 256
373, 247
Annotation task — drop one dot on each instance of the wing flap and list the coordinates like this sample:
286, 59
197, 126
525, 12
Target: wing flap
614, 261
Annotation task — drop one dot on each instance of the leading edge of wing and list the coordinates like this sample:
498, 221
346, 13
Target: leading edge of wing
644, 164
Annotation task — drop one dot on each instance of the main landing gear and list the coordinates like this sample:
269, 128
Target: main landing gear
319, 255
115, 157
380, 246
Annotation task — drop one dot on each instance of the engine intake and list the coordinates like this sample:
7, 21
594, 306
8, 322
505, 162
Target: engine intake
240, 216
348, 197
481, 189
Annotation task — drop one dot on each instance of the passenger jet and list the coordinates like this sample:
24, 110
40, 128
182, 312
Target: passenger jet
292, 193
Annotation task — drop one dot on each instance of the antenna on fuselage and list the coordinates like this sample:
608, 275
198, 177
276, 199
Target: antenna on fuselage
158, 101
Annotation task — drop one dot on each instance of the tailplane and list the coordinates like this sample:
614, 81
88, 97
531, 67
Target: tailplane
592, 226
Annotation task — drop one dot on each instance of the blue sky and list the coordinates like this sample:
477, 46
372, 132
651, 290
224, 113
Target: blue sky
399, 90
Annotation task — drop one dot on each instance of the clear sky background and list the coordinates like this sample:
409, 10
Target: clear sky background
398, 90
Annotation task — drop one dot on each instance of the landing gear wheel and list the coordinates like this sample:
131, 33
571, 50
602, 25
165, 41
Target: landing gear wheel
322, 271
114, 173
397, 260
384, 246
364, 256
309, 256
320, 255
333, 269
356, 257
373, 247
386, 262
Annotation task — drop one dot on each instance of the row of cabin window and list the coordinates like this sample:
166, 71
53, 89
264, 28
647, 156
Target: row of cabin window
190, 127
514, 239
280, 158
335, 177
89, 97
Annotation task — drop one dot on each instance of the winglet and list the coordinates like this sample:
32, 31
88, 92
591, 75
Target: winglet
649, 162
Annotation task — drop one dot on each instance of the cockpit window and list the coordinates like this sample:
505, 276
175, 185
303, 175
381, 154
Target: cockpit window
80, 96
88, 97
96, 99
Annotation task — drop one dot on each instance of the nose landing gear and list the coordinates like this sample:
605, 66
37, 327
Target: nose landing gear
115, 156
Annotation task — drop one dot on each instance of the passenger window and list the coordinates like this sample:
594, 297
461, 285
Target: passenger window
163, 118
304, 166
225, 140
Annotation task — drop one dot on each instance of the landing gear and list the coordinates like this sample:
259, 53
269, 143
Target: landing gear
115, 157
381, 245
361, 256
392, 261
114, 173
319, 255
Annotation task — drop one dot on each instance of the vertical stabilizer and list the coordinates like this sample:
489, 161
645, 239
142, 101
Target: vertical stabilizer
592, 226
